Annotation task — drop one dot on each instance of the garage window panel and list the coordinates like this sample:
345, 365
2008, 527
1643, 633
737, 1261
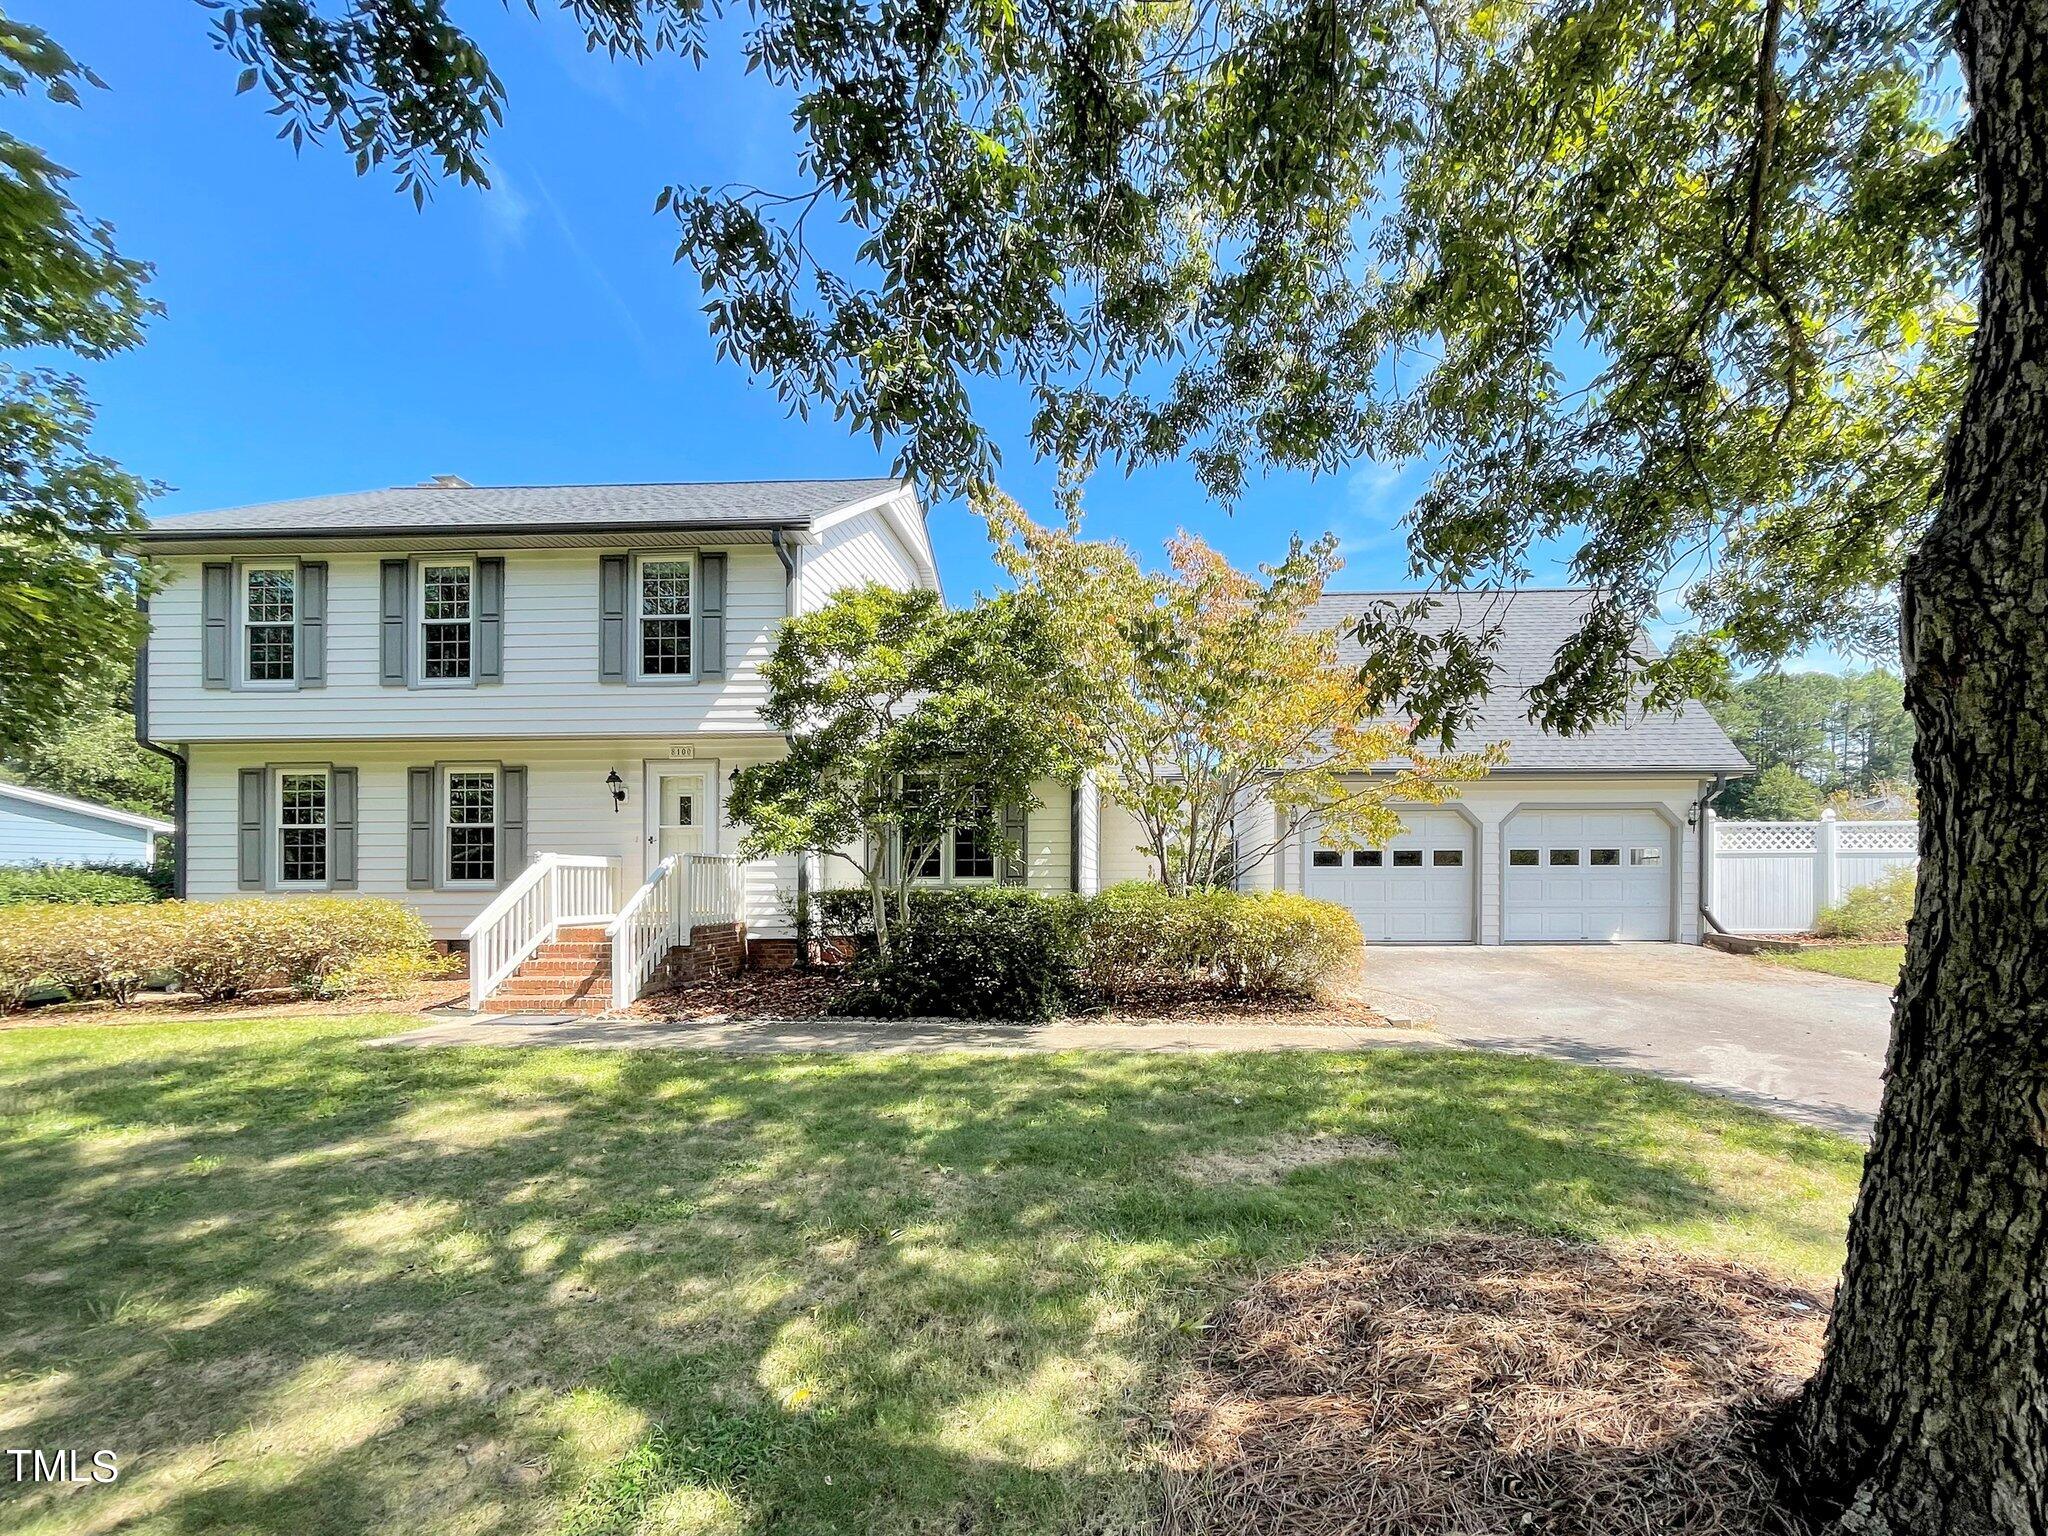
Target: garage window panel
1327, 858
1604, 858
1524, 858
1367, 858
1564, 856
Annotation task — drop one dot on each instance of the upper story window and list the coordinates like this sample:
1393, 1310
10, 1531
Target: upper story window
447, 620
663, 589
302, 826
471, 826
270, 614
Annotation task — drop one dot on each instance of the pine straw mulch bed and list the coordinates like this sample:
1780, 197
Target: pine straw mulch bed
1492, 1386
797, 994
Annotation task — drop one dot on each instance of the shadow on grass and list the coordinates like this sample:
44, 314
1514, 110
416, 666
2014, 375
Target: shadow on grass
304, 1286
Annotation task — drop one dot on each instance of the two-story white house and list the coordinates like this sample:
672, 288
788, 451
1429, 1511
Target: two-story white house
433, 691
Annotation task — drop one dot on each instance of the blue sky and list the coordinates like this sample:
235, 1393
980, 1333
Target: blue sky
321, 335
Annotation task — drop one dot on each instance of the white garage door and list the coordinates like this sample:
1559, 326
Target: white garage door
1578, 876
1417, 890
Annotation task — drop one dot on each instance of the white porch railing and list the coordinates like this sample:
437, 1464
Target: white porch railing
717, 894
555, 889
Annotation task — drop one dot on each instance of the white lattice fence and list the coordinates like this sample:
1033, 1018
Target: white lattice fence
1775, 876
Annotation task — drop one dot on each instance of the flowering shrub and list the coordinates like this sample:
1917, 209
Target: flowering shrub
217, 949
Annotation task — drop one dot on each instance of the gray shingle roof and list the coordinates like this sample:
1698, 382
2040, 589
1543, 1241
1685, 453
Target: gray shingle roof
1533, 624
531, 509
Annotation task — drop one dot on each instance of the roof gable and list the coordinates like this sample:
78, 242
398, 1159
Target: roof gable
1534, 622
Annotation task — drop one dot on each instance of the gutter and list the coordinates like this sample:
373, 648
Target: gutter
1705, 802
181, 768
170, 534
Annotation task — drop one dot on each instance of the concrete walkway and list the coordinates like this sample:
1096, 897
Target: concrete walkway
765, 1036
1796, 1042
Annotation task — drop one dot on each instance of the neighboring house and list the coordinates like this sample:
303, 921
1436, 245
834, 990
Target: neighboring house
416, 692
37, 827
1575, 839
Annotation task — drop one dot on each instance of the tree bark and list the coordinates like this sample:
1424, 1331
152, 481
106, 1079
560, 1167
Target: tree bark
1930, 1412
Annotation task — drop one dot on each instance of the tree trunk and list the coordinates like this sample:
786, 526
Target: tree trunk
1930, 1412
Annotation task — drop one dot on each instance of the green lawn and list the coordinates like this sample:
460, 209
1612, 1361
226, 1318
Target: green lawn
301, 1285
1858, 962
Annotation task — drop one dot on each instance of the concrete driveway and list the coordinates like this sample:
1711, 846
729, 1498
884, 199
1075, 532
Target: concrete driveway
1803, 1045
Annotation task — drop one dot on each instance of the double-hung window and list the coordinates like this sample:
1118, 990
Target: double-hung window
302, 827
270, 617
447, 620
470, 826
963, 854
663, 603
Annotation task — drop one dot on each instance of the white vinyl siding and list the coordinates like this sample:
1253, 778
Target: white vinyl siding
550, 689
568, 810
850, 553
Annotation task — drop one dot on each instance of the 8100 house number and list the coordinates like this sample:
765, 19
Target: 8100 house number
62, 1466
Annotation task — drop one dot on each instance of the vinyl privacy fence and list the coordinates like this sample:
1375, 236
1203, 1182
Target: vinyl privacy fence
1775, 876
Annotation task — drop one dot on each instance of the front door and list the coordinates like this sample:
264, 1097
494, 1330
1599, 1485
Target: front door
679, 811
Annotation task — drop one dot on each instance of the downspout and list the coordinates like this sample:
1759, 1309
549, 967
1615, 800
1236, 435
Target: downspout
803, 861
788, 560
1702, 804
180, 768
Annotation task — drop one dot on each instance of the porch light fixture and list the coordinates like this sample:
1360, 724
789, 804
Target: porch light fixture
617, 786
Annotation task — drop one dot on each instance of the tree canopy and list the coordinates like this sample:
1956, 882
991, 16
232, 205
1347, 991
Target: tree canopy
1688, 287
68, 626
1839, 734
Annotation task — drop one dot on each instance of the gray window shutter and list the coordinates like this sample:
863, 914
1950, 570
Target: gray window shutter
511, 823
611, 618
313, 624
394, 622
341, 828
419, 827
490, 620
216, 592
710, 640
251, 824
1017, 858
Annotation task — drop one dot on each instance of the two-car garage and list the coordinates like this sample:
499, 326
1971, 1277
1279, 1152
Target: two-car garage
1567, 874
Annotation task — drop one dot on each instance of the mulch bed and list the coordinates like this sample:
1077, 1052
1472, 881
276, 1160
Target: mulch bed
795, 994
1491, 1385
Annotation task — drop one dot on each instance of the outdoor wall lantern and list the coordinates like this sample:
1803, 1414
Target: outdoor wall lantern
617, 786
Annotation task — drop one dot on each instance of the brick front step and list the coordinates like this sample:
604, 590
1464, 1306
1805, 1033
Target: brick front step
548, 963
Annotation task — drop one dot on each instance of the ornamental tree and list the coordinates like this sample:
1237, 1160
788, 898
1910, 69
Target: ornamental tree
908, 723
1735, 298
1203, 694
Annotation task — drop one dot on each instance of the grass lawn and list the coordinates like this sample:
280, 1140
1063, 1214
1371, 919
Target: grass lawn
302, 1286
1858, 962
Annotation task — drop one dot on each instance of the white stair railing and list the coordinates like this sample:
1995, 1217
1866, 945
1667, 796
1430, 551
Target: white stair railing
556, 888
647, 927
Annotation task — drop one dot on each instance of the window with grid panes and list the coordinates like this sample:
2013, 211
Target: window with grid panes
302, 828
445, 622
472, 826
974, 856
664, 608
270, 616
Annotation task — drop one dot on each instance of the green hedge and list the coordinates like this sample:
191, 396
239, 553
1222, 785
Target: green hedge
1875, 911
98, 885
325, 944
986, 953
1240, 942
976, 953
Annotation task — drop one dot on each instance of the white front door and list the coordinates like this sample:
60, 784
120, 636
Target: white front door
679, 814
1416, 890
1591, 876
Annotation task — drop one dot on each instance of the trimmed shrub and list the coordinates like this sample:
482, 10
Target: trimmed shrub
393, 973
218, 949
1252, 943
99, 885
975, 953
1875, 911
